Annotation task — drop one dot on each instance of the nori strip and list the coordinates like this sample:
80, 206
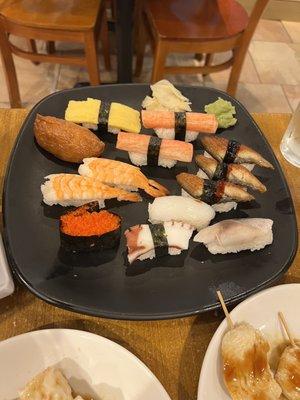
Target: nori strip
153, 151
220, 172
103, 115
210, 194
231, 151
180, 126
160, 240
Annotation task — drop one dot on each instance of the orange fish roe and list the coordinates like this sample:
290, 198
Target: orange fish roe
84, 223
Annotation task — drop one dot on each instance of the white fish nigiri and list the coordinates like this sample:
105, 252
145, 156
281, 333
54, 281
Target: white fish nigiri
149, 241
234, 235
183, 209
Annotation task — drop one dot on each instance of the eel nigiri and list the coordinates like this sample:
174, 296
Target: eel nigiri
212, 192
235, 173
247, 374
111, 117
183, 126
234, 235
149, 241
151, 150
76, 190
230, 151
183, 209
122, 175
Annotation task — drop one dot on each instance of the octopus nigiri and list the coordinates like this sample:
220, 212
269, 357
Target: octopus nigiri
235, 173
230, 151
76, 190
122, 175
212, 192
149, 241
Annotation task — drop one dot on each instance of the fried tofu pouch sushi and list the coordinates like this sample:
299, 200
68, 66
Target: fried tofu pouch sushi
66, 140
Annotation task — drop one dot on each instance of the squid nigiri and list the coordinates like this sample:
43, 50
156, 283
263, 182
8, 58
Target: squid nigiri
150, 150
122, 175
149, 241
234, 173
234, 235
230, 151
183, 126
212, 192
76, 190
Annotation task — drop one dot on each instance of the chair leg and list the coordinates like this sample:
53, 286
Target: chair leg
239, 57
159, 59
9, 71
105, 41
140, 47
208, 61
31, 43
92, 58
50, 47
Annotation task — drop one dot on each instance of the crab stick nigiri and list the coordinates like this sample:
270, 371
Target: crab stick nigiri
151, 150
183, 126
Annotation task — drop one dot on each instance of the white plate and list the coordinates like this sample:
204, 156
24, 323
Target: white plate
260, 310
94, 366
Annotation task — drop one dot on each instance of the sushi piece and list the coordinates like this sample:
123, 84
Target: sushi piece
246, 370
150, 150
234, 173
230, 151
76, 190
88, 229
212, 192
183, 126
182, 209
122, 175
149, 241
105, 116
234, 235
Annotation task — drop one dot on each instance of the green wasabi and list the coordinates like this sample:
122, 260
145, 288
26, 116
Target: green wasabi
223, 111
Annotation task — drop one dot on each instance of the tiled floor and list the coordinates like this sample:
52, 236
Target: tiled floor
270, 80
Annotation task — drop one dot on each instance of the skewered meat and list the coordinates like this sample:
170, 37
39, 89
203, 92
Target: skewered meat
247, 374
288, 373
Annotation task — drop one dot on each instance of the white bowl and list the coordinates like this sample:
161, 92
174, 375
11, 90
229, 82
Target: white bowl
94, 366
261, 311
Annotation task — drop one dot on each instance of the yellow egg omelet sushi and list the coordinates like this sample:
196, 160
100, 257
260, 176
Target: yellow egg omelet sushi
105, 116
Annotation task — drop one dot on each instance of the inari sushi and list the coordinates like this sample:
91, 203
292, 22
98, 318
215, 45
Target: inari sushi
183, 209
153, 151
234, 235
75, 190
149, 241
183, 126
88, 229
107, 117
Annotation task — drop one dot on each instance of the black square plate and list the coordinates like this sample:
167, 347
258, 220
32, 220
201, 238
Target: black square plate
163, 288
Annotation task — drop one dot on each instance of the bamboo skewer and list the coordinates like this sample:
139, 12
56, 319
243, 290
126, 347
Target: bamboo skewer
229, 320
286, 328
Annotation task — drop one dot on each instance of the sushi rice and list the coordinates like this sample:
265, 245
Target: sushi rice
140, 160
165, 133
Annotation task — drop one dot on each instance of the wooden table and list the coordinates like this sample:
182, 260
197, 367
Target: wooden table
172, 349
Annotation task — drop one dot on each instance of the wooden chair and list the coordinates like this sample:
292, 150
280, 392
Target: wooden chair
52, 20
197, 26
